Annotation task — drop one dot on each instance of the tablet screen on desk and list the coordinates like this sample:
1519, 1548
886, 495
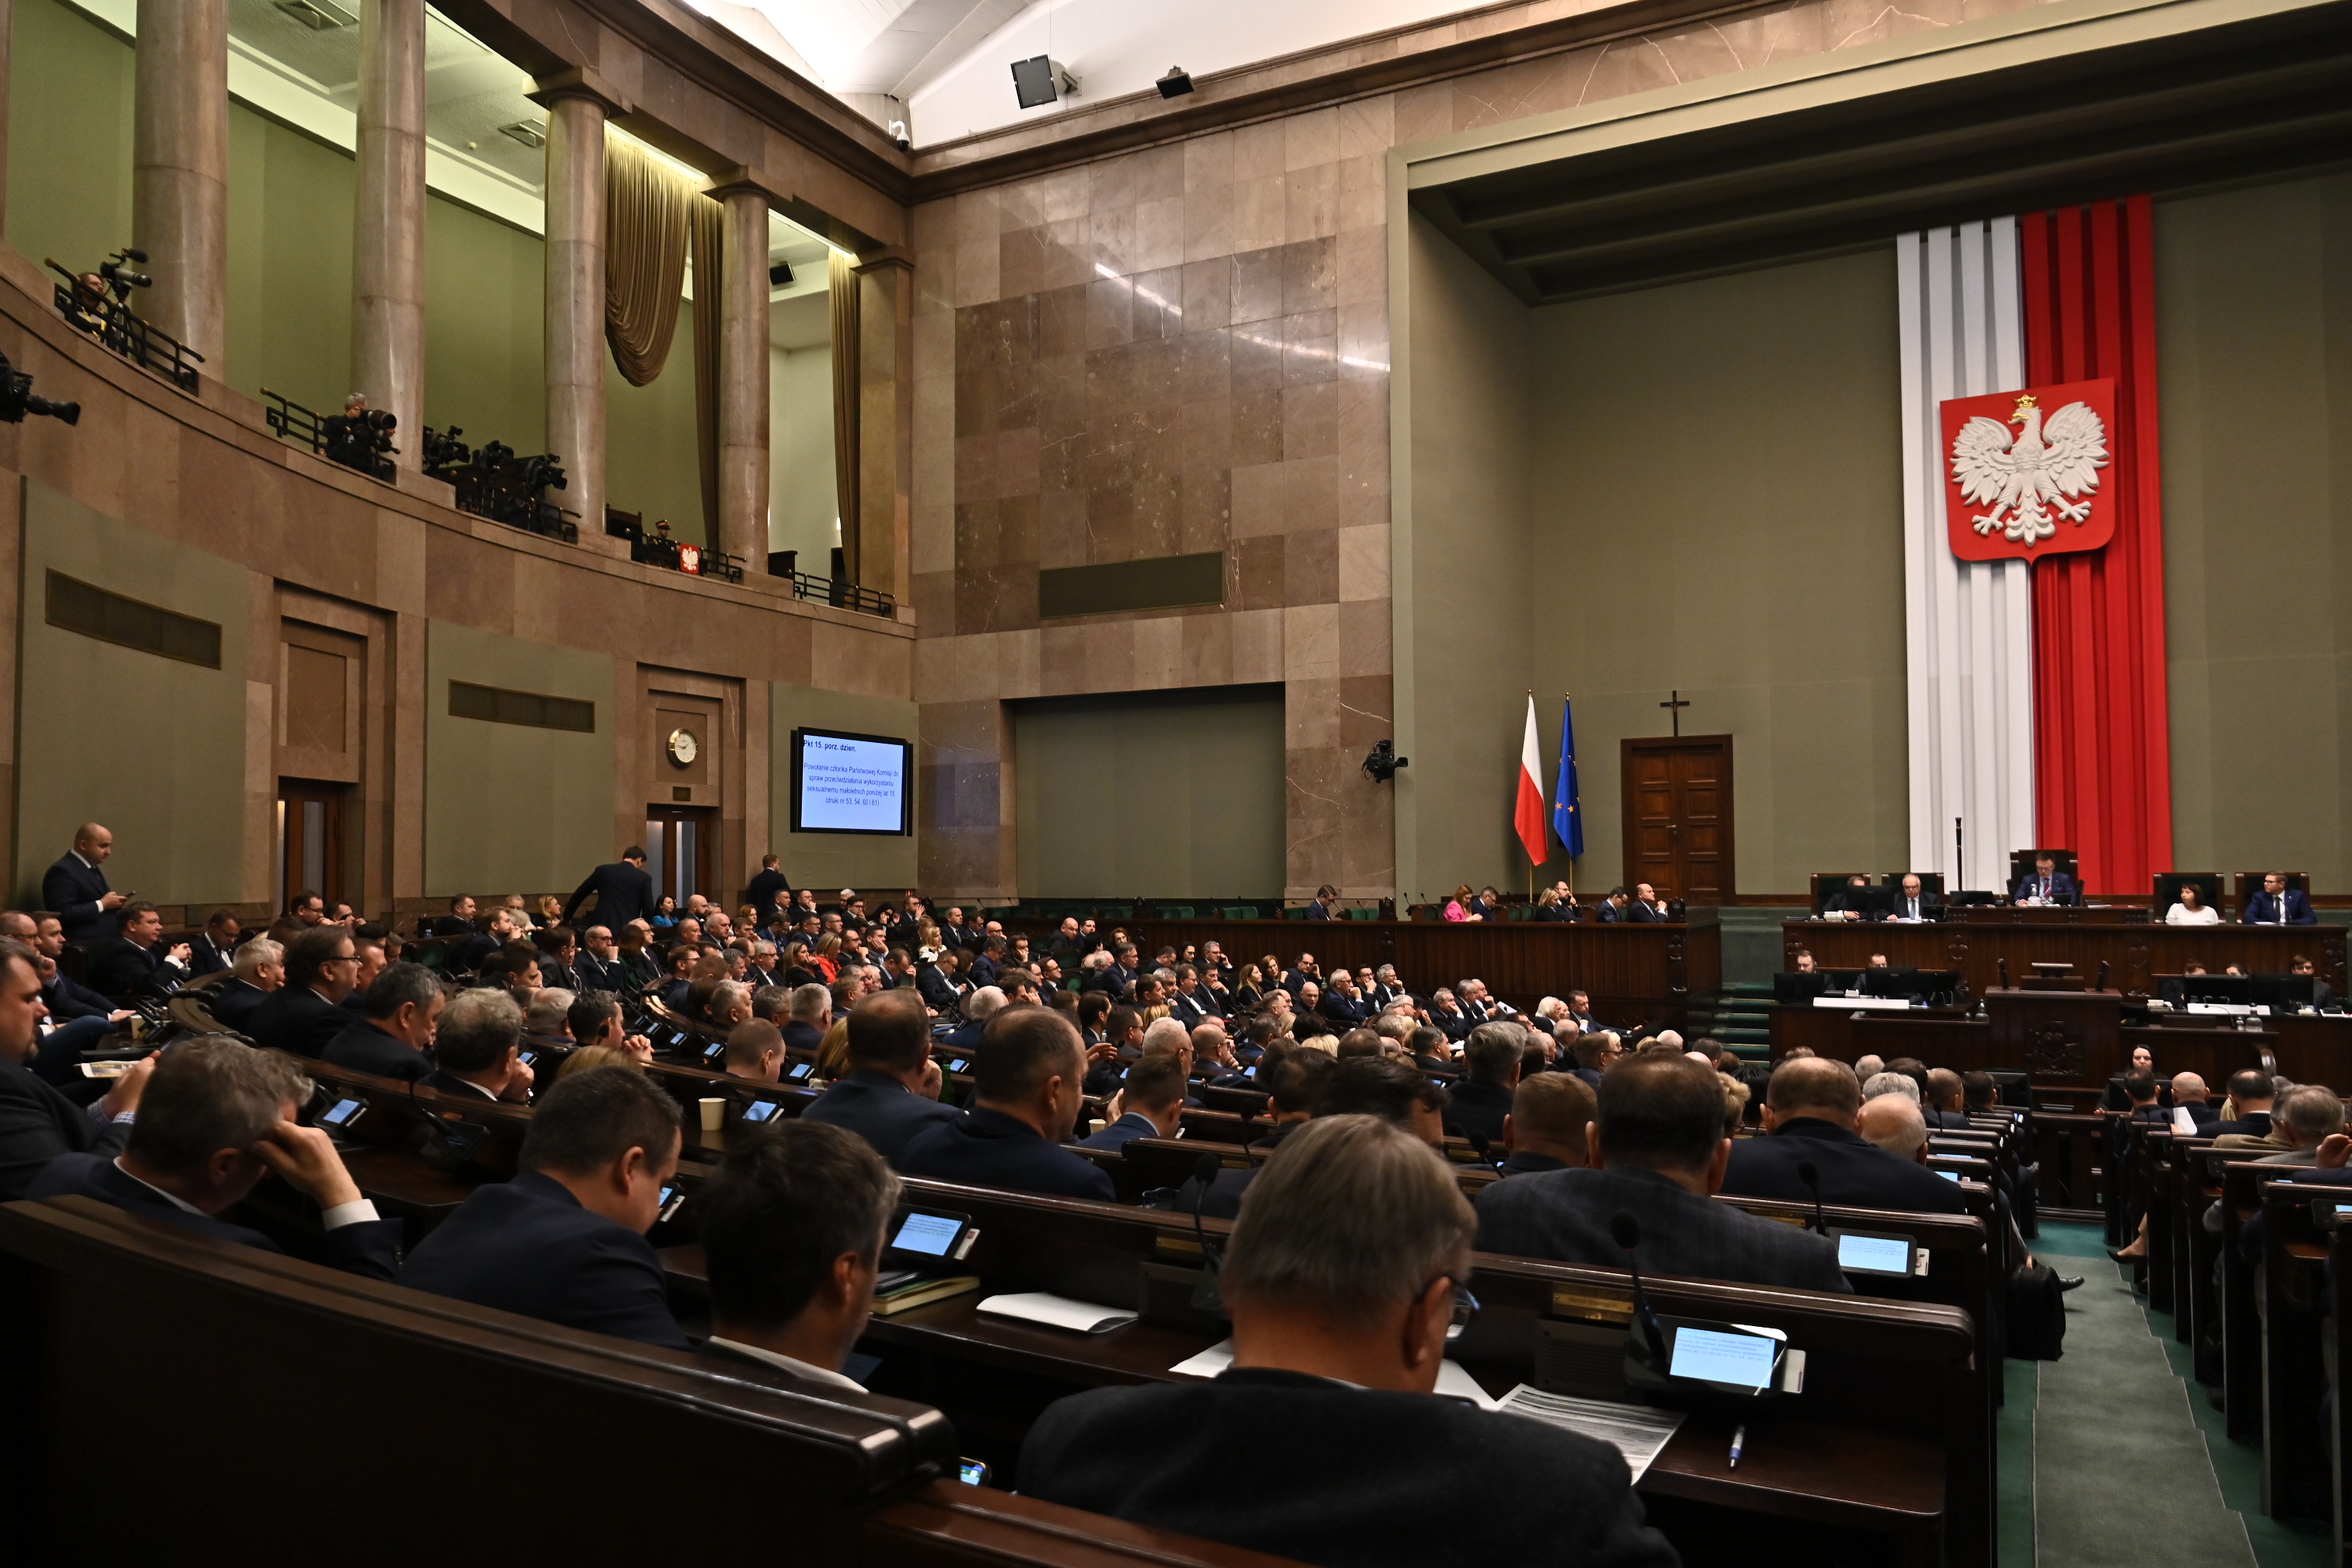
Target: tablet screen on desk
339, 1114
928, 1234
1712, 1355
1860, 1254
761, 1110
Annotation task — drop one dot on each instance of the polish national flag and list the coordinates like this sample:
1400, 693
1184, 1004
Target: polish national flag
1528, 816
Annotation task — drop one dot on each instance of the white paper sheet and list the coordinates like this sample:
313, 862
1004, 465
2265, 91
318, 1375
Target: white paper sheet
1639, 1432
1058, 1312
1451, 1381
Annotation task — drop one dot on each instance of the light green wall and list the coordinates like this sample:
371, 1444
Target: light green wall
509, 805
1164, 793
484, 328
831, 861
289, 265
652, 464
1466, 600
803, 503
70, 97
1720, 509
2254, 356
149, 746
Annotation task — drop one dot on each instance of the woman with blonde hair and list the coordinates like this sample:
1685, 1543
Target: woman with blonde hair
588, 1058
832, 1051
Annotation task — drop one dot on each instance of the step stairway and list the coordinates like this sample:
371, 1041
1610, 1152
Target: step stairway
1739, 1016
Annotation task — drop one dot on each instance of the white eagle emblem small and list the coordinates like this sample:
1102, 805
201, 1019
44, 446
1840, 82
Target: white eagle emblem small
2023, 477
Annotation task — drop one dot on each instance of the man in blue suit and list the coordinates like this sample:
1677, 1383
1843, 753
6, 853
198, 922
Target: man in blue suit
1152, 1105
891, 1092
1025, 1100
217, 1116
2279, 905
2048, 884
565, 1240
76, 886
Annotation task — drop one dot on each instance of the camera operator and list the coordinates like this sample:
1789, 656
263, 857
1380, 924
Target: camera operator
359, 437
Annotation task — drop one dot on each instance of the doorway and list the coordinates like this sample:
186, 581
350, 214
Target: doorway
311, 840
682, 852
1679, 834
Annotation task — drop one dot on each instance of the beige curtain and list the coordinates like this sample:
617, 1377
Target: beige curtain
709, 224
645, 208
845, 408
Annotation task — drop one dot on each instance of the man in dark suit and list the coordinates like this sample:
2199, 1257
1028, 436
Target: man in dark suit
36, 1122
301, 1016
1946, 1103
1320, 907
768, 891
1658, 1142
2048, 884
75, 888
600, 966
1646, 909
1612, 909
1491, 1058
977, 1008
2252, 1094
1343, 1281
1546, 1128
792, 1229
1151, 1103
1914, 902
1446, 1016
938, 983
2278, 904
477, 1050
1810, 1110
214, 947
1025, 1100
216, 1116
812, 1016
136, 963
622, 890
565, 1240
891, 1091
1192, 1001
259, 971
2188, 1094
400, 1010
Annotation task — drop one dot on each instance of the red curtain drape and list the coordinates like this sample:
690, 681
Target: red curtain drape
2102, 741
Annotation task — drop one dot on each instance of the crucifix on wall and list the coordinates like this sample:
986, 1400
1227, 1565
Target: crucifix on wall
1675, 704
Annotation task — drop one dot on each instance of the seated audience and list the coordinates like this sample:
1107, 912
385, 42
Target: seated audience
400, 1010
301, 1016
2278, 904
2304, 1116
1343, 1279
259, 969
890, 1092
588, 1058
1379, 1086
136, 962
977, 1008
2192, 910
1659, 1154
755, 1050
2247, 1111
1946, 1100
215, 1117
214, 948
2188, 1094
1482, 1097
792, 1229
36, 1122
478, 1049
1546, 1128
1150, 1103
1596, 1053
565, 1240
1295, 1081
1025, 1099
1809, 1109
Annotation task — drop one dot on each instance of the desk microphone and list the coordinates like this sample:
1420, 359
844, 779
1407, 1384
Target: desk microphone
1205, 1296
1811, 1175
2101, 984
1477, 1141
1627, 1230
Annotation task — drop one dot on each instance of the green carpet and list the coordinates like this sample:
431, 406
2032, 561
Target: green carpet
2112, 1455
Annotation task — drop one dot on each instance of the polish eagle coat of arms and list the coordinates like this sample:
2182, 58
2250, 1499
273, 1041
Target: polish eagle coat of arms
2019, 464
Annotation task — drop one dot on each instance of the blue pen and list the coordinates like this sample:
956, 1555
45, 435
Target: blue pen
1738, 1441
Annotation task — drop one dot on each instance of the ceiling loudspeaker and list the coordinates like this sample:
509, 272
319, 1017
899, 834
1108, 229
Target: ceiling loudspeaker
1039, 81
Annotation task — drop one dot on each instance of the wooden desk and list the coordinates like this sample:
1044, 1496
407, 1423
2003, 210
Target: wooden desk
2135, 955
1633, 973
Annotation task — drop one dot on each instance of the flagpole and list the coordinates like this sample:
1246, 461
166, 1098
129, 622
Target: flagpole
1531, 865
1564, 699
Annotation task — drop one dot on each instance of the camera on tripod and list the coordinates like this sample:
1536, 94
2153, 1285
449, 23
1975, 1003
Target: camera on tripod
115, 274
360, 436
17, 398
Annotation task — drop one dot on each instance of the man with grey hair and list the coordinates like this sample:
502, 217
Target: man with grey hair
259, 969
2307, 1116
1880, 1083
731, 1004
1891, 1120
400, 1013
1492, 1057
979, 1007
1867, 1068
547, 1020
1345, 1278
812, 1016
216, 1116
480, 1048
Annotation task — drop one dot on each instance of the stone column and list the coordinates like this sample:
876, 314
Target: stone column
388, 221
179, 168
577, 104
886, 393
743, 458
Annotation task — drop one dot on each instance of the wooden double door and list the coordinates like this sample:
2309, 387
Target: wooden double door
1678, 837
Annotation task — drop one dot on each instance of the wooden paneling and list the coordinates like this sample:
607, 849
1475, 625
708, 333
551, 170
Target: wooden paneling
1678, 823
1633, 973
321, 695
2309, 1050
2135, 955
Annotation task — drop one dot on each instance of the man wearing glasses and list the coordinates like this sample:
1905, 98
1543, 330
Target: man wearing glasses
1345, 1280
301, 1016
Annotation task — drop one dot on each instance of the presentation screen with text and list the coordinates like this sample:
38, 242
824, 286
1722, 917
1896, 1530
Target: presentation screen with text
850, 783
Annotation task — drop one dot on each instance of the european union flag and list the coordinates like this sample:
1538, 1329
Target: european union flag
1567, 819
